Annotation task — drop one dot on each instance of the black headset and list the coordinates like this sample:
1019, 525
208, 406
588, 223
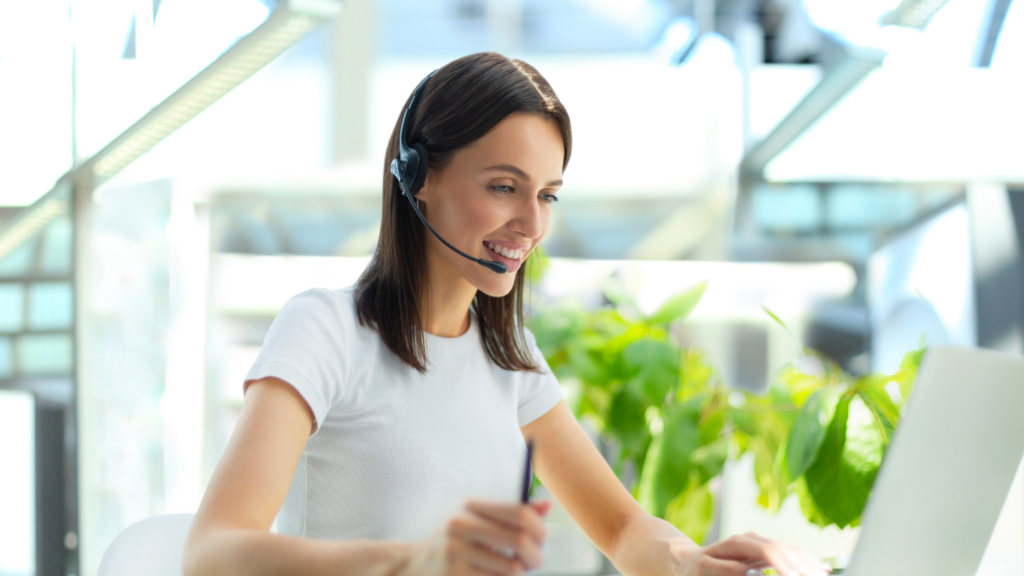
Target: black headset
410, 169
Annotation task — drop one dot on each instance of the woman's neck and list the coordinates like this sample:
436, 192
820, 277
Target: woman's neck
446, 300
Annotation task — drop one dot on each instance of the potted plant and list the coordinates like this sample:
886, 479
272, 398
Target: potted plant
819, 432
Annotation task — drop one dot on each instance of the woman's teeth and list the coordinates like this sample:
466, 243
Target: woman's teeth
507, 253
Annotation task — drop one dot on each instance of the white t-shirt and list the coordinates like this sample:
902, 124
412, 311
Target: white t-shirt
395, 452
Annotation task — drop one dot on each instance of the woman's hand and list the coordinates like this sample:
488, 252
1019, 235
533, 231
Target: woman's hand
737, 555
485, 538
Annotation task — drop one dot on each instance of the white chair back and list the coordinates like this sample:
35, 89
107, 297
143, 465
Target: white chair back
152, 546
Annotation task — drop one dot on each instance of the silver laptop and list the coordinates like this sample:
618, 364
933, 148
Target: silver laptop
948, 469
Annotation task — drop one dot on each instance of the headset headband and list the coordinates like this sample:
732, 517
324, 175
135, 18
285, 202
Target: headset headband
410, 168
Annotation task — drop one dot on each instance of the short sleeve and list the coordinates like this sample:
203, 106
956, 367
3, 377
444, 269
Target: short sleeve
538, 393
305, 347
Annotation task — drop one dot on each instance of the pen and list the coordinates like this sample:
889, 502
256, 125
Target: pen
527, 474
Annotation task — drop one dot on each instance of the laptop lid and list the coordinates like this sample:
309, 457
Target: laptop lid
948, 469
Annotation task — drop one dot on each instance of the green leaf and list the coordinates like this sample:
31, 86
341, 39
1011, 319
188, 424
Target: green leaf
657, 365
712, 423
695, 374
800, 386
884, 411
774, 488
616, 345
841, 477
908, 372
679, 306
709, 460
808, 432
627, 421
616, 293
554, 328
692, 509
807, 505
667, 468
776, 318
585, 367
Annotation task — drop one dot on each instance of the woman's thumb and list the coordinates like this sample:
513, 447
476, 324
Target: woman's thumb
542, 507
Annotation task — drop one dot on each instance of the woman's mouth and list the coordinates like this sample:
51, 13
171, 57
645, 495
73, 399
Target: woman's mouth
512, 259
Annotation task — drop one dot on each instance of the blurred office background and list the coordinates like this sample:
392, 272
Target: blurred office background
171, 171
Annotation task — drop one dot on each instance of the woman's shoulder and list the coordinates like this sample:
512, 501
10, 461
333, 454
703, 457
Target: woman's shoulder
339, 300
330, 310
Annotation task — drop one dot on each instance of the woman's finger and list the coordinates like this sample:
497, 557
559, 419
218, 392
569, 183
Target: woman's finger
710, 566
752, 551
486, 561
805, 562
806, 565
489, 534
514, 515
542, 507
740, 548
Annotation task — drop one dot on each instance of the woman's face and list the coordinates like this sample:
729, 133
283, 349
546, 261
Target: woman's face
493, 201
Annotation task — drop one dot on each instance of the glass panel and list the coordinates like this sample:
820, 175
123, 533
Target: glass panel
128, 326
17, 483
56, 251
44, 354
796, 207
6, 357
50, 305
12, 307
19, 261
853, 206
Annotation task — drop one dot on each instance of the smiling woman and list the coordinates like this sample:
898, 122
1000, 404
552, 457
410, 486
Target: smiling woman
384, 424
497, 140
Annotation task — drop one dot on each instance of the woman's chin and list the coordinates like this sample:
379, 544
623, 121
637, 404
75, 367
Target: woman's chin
498, 286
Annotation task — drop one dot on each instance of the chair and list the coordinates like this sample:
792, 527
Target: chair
152, 546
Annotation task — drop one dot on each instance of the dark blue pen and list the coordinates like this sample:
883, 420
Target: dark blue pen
527, 474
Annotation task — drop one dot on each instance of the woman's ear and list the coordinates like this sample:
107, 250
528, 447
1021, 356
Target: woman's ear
429, 183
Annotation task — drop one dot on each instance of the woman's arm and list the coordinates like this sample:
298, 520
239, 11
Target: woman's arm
230, 533
637, 543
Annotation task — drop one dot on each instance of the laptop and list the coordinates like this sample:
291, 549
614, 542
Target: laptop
948, 469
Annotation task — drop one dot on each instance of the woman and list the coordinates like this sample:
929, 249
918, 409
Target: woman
384, 423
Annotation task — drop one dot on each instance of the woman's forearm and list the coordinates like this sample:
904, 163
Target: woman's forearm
649, 546
256, 553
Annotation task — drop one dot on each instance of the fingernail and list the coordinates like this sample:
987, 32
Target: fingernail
754, 572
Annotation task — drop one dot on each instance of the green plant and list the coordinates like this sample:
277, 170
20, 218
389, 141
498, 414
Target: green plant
818, 432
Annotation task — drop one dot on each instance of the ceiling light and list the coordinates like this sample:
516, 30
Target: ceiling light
289, 22
31, 223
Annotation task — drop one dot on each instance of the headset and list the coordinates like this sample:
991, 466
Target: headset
410, 169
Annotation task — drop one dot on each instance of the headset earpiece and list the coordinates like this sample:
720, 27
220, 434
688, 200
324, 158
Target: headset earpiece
417, 171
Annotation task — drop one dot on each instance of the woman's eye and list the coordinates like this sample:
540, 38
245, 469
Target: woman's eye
549, 198
503, 189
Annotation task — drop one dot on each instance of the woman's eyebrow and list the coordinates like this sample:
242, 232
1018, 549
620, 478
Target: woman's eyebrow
518, 173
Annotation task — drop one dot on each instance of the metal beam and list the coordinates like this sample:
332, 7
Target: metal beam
857, 63
912, 13
991, 32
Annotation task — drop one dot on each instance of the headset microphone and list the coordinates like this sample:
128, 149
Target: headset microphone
410, 169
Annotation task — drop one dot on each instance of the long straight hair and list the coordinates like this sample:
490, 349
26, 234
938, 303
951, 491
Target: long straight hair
464, 100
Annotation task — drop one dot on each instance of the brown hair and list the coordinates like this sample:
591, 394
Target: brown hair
464, 100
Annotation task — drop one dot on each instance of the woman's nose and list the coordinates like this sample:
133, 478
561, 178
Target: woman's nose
528, 219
